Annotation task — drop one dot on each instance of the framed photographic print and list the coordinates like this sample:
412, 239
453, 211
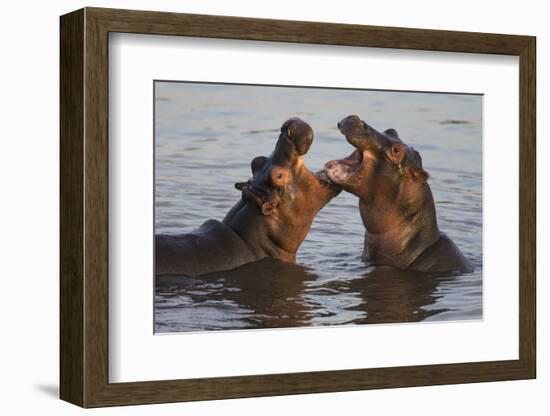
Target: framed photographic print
255, 207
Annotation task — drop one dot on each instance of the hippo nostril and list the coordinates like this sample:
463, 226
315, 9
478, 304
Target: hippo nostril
330, 164
354, 117
339, 125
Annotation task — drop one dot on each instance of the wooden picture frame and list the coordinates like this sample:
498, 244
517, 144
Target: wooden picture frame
84, 207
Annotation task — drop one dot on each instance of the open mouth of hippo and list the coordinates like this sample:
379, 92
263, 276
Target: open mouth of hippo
326, 181
342, 170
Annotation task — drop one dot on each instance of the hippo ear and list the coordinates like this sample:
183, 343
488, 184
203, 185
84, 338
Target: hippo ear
418, 174
240, 185
257, 163
269, 207
392, 133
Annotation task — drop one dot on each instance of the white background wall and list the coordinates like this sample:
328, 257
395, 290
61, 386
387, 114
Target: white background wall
29, 207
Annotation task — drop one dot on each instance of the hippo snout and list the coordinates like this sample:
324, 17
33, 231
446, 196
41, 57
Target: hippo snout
353, 119
349, 122
331, 164
298, 133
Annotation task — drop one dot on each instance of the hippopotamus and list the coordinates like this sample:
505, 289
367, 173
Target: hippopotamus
395, 201
272, 218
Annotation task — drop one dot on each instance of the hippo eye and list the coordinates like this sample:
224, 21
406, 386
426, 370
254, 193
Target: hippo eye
278, 177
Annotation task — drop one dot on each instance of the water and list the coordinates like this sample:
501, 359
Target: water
205, 137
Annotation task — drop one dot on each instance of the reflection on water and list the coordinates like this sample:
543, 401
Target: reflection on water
273, 294
205, 137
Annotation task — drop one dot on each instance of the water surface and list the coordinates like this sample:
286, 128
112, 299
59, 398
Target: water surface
205, 137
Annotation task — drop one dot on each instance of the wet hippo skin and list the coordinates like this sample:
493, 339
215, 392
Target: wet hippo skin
271, 219
395, 202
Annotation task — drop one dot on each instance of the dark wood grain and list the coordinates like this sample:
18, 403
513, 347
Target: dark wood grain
84, 206
96, 218
227, 27
71, 101
527, 207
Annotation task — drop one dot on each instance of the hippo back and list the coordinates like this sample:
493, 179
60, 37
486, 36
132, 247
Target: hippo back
212, 247
444, 256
